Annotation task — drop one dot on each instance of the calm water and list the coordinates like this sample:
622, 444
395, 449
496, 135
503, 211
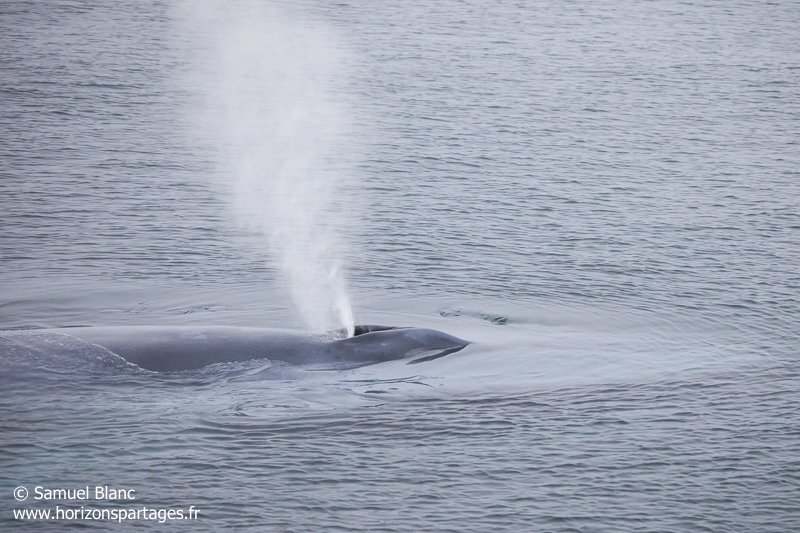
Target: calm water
604, 198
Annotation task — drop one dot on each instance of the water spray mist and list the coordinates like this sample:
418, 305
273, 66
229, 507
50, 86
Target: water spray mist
271, 105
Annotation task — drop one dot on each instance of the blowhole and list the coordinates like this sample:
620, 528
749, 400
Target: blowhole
362, 329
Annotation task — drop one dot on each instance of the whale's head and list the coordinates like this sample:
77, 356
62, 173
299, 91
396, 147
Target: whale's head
374, 344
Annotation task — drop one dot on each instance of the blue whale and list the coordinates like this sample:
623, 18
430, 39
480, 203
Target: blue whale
168, 348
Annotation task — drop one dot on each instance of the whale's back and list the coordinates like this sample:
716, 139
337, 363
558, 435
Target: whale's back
166, 349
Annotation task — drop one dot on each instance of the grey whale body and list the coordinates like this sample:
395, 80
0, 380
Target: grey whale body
167, 348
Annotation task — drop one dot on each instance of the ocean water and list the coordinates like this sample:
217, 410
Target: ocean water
604, 198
